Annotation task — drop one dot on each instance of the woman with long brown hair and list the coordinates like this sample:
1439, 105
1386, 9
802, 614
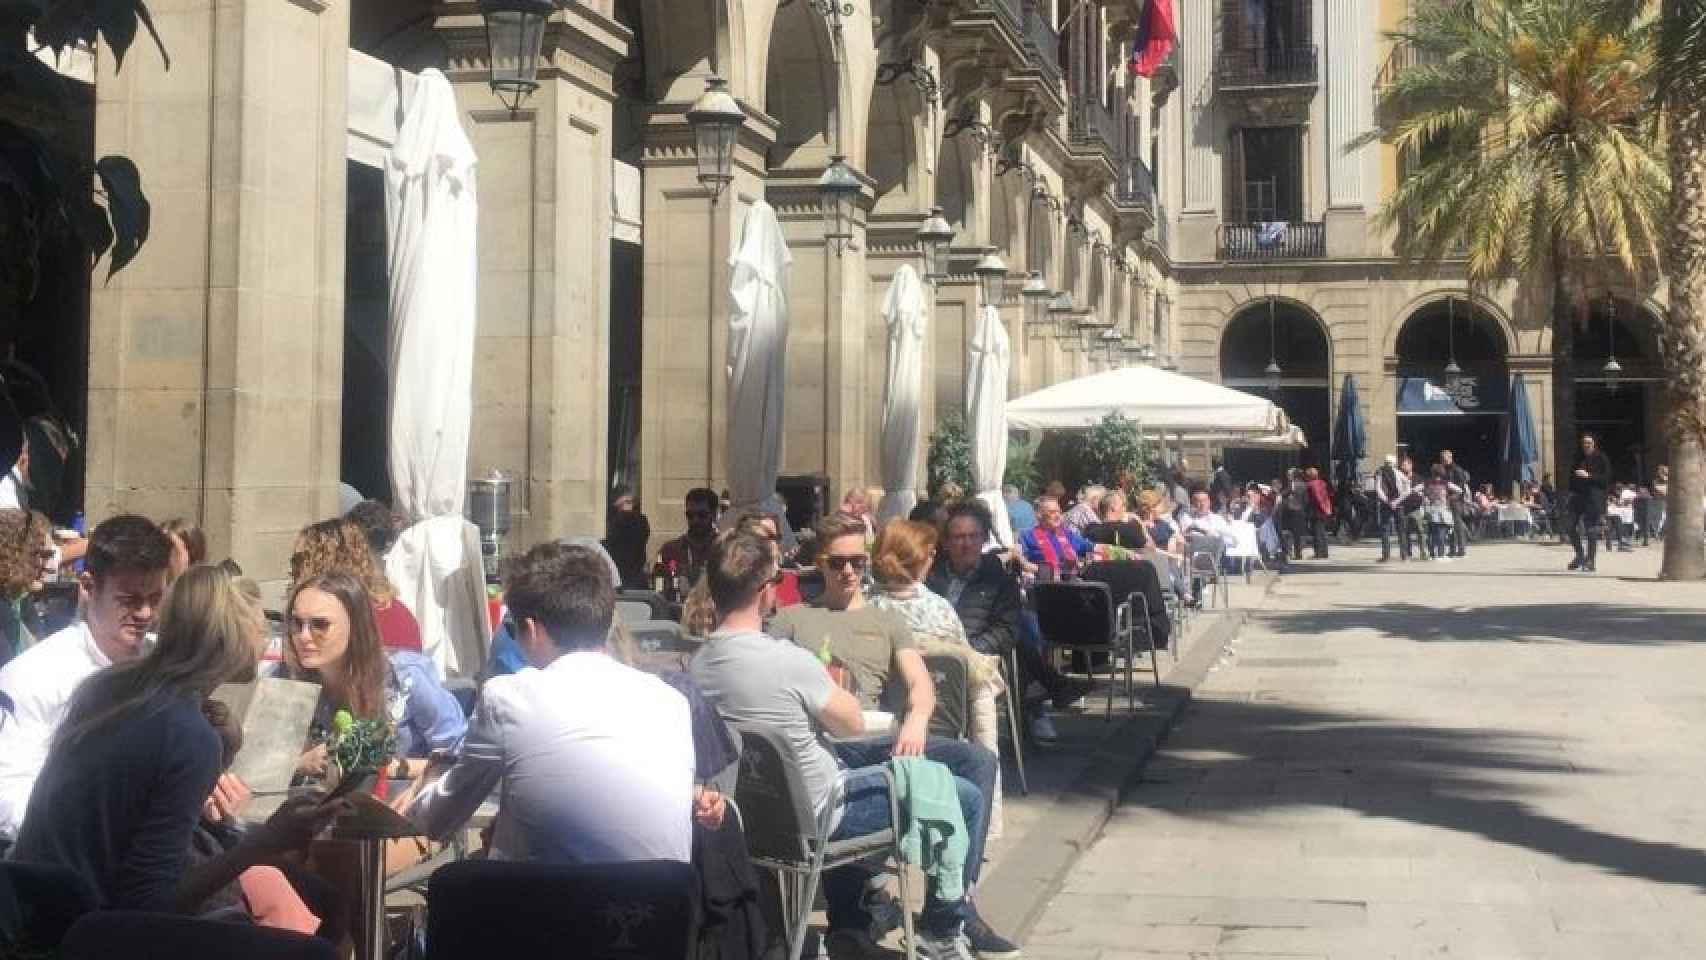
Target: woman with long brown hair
342, 544
135, 760
333, 640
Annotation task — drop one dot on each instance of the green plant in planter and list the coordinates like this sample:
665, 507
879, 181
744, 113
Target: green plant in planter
1113, 449
1022, 469
949, 457
361, 746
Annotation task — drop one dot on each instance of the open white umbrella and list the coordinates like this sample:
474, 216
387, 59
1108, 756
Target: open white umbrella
430, 215
986, 415
758, 346
1158, 400
906, 315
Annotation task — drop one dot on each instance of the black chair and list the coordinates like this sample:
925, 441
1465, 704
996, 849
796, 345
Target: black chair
952, 678
1132, 583
39, 903
478, 909
785, 836
1080, 615
136, 935
660, 646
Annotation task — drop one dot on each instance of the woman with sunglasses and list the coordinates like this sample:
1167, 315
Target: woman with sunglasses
26, 561
342, 544
333, 640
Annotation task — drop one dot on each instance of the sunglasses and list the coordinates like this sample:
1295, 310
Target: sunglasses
318, 626
857, 561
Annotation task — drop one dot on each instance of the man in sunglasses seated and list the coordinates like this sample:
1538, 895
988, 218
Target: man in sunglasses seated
688, 552
879, 651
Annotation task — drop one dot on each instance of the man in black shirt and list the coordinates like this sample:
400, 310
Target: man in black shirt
1587, 501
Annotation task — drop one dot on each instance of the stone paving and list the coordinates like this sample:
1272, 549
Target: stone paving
1489, 758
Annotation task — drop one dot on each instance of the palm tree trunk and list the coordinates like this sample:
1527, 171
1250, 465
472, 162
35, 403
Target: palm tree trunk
1563, 371
1683, 335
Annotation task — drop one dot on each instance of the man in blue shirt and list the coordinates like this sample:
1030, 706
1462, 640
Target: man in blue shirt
1051, 545
1019, 513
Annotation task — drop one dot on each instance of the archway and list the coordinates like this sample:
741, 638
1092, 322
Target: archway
801, 89
1466, 417
1289, 334
1621, 407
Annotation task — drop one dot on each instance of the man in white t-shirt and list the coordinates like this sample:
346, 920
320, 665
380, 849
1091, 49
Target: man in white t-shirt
124, 580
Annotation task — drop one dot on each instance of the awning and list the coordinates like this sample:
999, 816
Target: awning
1421, 396
1158, 400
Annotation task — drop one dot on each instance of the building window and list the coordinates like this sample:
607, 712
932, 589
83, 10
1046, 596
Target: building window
1264, 175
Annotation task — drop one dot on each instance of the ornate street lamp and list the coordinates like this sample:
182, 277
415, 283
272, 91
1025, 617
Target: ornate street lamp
1271, 375
1060, 310
716, 120
838, 191
933, 239
1036, 294
1453, 372
1112, 344
991, 277
515, 30
1612, 370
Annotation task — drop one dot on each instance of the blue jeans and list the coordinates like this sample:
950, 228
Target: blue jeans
867, 810
1392, 521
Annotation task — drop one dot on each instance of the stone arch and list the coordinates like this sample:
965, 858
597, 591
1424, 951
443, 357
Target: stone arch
1072, 275
1039, 237
895, 157
956, 186
1302, 345
678, 40
1098, 279
802, 87
1006, 230
1487, 307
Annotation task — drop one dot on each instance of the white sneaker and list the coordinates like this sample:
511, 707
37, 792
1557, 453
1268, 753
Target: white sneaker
944, 948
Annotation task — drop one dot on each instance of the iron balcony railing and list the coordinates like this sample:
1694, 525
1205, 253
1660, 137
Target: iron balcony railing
1135, 186
1273, 241
1092, 121
1042, 43
1255, 67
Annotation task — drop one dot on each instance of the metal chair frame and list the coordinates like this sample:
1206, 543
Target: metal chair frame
1212, 573
1119, 639
798, 873
1015, 724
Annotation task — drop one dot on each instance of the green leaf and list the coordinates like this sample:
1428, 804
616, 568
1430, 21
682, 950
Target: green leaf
127, 207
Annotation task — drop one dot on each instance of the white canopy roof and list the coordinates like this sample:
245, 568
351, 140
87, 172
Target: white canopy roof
1160, 401
1292, 436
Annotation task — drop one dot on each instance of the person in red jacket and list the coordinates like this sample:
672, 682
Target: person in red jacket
1318, 506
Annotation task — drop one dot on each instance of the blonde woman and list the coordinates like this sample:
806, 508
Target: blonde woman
136, 759
342, 544
904, 553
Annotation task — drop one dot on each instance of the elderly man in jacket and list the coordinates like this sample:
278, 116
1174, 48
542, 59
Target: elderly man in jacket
987, 599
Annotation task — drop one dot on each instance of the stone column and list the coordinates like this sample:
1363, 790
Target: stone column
541, 366
1349, 109
215, 360
1199, 143
687, 244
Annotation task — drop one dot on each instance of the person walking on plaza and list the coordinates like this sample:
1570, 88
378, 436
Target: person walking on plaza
1318, 507
1390, 489
1588, 479
1458, 478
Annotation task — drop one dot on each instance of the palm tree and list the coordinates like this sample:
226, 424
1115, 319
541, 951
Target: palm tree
1525, 122
1682, 95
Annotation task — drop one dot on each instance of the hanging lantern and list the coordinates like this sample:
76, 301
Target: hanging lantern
1271, 375
1453, 372
838, 191
934, 237
716, 120
1613, 371
1036, 294
515, 30
1113, 345
991, 276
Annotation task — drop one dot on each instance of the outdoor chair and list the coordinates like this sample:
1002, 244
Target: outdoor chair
1245, 549
1202, 565
633, 611
1080, 615
1015, 721
784, 835
136, 935
478, 909
1130, 585
660, 608
1177, 612
660, 646
952, 678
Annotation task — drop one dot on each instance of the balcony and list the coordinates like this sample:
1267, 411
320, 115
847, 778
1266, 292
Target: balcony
1090, 123
1013, 11
1263, 68
1042, 43
1269, 241
1135, 188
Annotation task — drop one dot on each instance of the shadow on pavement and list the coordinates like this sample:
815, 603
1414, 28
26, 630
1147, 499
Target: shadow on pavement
1517, 623
1237, 758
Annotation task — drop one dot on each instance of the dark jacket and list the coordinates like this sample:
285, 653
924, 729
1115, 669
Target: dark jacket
1129, 535
1588, 493
1127, 578
989, 606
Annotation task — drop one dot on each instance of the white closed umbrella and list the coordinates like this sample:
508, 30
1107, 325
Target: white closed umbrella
757, 363
905, 314
986, 415
430, 215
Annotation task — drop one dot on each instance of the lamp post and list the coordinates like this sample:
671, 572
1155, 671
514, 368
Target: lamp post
991, 277
933, 240
1612, 369
838, 191
1036, 294
1453, 372
1271, 375
716, 120
515, 30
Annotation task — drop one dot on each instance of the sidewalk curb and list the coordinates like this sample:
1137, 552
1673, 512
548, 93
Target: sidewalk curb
1034, 870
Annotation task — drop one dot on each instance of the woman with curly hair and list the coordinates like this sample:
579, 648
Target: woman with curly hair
342, 544
26, 561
